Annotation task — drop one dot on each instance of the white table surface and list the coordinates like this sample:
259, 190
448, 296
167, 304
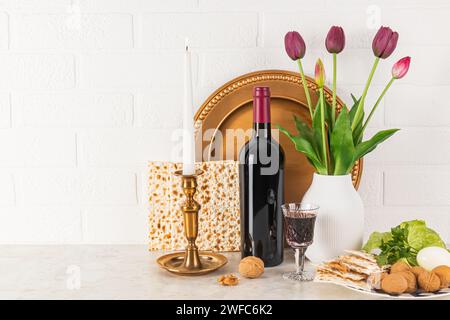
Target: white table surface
130, 272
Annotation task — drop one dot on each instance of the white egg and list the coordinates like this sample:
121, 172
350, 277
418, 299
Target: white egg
431, 257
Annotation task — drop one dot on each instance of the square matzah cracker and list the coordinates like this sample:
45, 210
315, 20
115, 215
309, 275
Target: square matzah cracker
218, 195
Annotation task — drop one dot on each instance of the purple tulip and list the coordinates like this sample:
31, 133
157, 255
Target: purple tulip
401, 67
295, 45
335, 40
384, 42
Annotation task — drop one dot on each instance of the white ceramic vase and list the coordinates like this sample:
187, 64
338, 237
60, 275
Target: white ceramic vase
340, 222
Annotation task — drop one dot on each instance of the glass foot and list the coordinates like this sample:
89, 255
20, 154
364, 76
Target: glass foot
302, 276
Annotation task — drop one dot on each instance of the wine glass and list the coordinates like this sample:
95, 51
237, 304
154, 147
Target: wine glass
299, 221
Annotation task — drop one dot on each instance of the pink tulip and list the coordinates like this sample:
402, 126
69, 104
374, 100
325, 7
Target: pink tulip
384, 42
294, 45
400, 68
335, 40
319, 73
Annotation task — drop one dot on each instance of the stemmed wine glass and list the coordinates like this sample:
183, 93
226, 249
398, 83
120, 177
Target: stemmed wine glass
300, 219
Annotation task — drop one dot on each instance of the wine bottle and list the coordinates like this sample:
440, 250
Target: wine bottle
261, 174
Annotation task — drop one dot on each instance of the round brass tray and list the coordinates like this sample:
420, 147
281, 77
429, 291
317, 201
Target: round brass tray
173, 262
230, 107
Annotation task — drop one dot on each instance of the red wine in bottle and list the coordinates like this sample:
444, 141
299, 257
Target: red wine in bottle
261, 174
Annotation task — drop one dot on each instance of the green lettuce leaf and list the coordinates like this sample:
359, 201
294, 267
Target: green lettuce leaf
420, 236
375, 240
403, 242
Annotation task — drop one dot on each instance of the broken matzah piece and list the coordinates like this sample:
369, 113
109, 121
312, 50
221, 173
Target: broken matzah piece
218, 195
356, 269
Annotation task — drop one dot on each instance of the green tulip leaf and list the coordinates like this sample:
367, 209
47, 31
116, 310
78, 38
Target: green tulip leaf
303, 129
353, 109
365, 147
328, 111
317, 129
358, 131
341, 144
358, 134
304, 146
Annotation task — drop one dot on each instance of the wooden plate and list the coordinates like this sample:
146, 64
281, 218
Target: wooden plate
230, 107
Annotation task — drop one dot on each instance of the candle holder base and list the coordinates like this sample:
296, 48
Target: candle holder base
191, 262
174, 263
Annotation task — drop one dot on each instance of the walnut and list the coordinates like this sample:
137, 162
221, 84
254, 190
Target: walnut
251, 267
394, 284
443, 272
429, 281
417, 271
410, 279
400, 266
228, 280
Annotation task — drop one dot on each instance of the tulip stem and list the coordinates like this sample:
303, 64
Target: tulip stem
378, 102
305, 87
359, 111
322, 122
333, 113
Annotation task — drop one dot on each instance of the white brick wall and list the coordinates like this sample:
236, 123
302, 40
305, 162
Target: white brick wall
90, 90
131, 71
56, 31
7, 190
212, 30
37, 148
72, 109
73, 187
5, 111
36, 71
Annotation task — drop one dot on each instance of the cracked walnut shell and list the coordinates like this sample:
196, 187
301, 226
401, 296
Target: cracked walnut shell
228, 280
251, 267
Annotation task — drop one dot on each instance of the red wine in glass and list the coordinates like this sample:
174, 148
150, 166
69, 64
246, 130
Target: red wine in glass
300, 229
299, 222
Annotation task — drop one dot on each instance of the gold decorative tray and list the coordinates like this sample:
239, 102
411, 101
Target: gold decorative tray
230, 107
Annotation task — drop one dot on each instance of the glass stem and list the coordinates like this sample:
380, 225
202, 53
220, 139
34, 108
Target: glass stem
300, 259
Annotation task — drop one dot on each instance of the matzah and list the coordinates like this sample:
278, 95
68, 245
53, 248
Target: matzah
356, 269
218, 195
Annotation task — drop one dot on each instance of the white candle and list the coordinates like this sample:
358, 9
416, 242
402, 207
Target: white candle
188, 116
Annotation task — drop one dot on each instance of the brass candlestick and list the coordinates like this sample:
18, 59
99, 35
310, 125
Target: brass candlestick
191, 261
